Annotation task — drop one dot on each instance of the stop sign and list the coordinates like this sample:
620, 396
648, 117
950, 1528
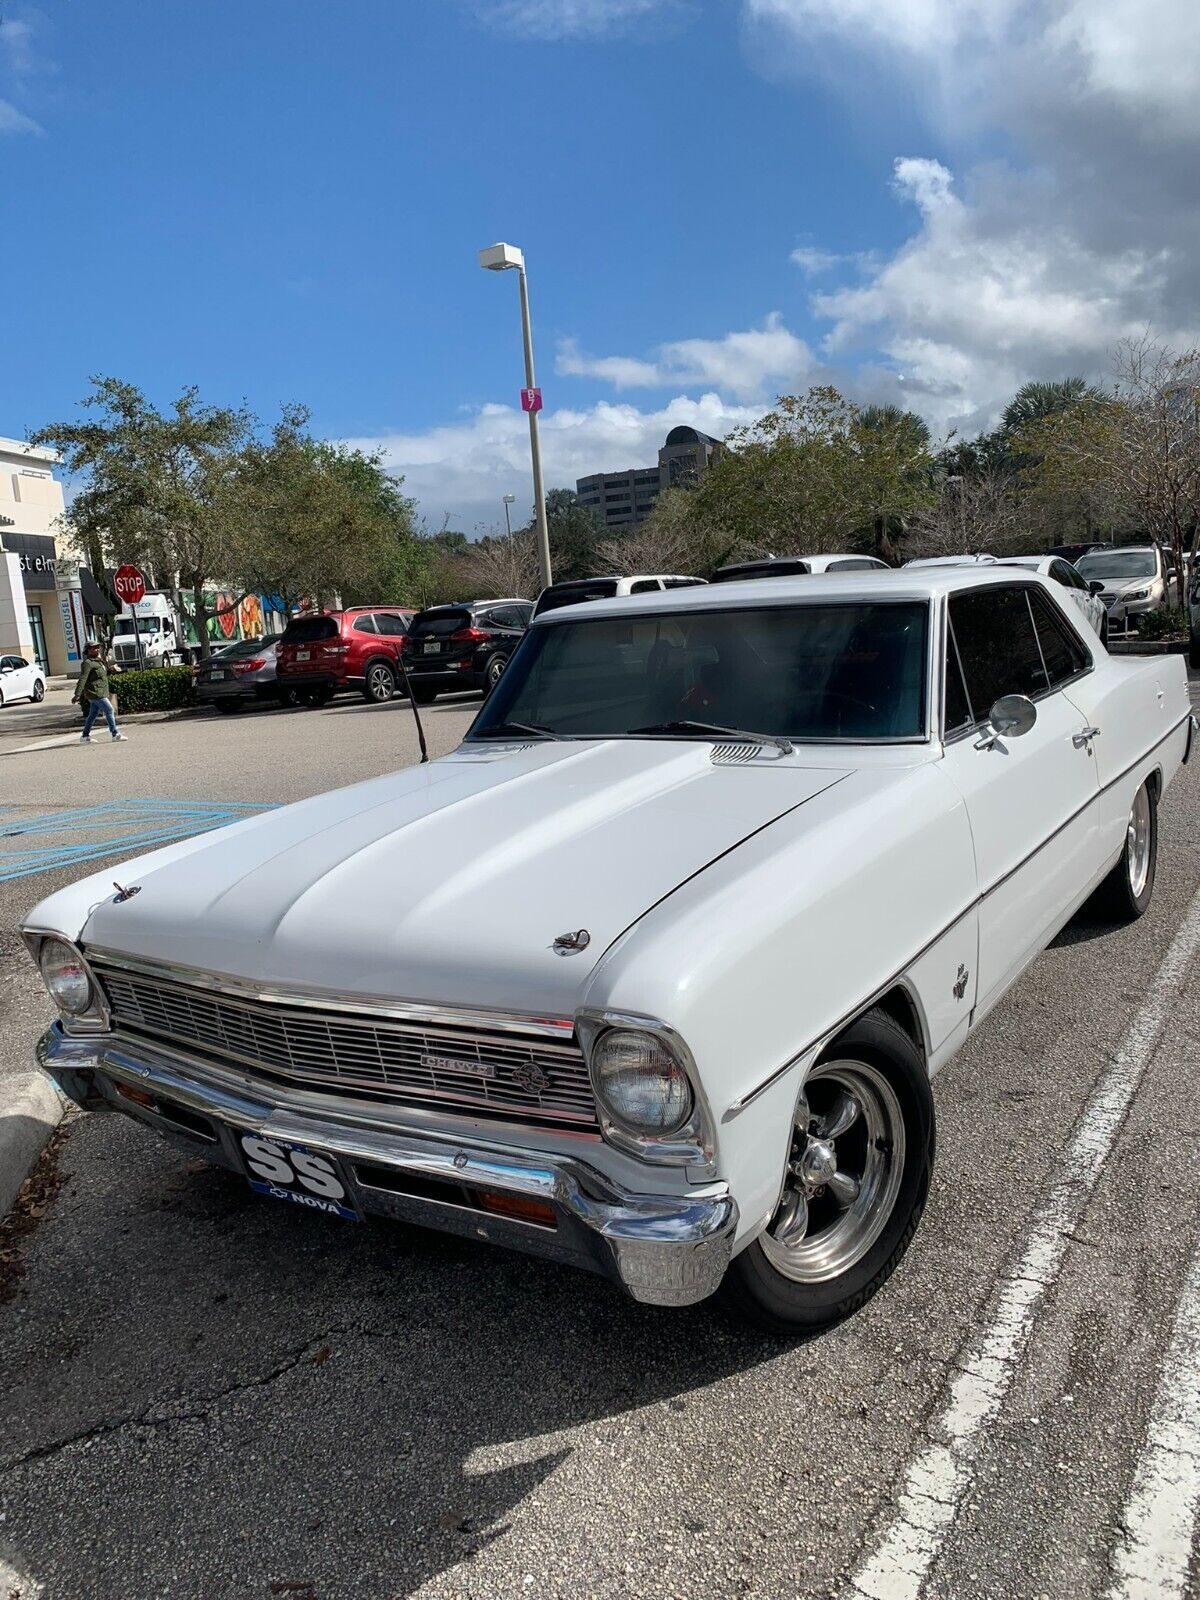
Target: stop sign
130, 585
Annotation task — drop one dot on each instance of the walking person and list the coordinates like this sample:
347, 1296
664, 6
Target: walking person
92, 693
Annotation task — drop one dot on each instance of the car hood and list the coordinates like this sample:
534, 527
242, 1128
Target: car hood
447, 883
1123, 586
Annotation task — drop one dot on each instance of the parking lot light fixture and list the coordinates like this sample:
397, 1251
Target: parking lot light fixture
503, 258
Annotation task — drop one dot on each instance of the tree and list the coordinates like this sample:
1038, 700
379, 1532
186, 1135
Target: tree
151, 483
497, 567
1035, 401
895, 473
575, 530
974, 514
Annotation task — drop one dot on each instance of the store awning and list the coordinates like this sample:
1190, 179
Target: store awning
95, 602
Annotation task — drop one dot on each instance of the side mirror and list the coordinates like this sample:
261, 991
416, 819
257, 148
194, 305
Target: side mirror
1010, 717
1095, 586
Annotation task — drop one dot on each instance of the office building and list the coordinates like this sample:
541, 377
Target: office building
623, 499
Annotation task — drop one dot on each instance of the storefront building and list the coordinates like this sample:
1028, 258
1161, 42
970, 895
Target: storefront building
41, 614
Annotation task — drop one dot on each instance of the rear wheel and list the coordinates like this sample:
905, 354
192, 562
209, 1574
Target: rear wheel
228, 706
495, 668
423, 694
379, 684
1126, 892
316, 697
287, 697
854, 1187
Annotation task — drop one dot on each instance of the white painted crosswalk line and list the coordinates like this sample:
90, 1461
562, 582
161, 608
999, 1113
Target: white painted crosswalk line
1159, 1520
939, 1479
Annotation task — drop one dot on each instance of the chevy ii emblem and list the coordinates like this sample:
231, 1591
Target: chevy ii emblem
475, 1069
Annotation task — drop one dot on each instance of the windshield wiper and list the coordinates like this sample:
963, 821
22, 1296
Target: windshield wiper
503, 729
687, 726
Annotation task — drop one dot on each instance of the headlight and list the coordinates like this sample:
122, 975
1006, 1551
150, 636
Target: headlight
640, 1081
66, 976
1138, 594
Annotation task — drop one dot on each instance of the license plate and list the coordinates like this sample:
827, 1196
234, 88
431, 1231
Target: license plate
303, 655
218, 677
430, 649
296, 1174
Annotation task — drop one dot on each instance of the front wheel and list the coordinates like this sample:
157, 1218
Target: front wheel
1125, 893
39, 692
423, 694
854, 1187
379, 685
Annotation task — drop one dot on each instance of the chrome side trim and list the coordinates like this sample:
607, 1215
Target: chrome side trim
740, 1105
397, 1010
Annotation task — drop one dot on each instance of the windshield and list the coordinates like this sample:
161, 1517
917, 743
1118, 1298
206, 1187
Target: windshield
836, 671
574, 594
247, 648
132, 625
1118, 564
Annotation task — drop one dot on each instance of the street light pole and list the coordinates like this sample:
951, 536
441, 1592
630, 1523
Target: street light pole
500, 258
508, 500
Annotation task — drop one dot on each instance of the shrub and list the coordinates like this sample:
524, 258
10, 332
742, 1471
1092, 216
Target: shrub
156, 689
1163, 624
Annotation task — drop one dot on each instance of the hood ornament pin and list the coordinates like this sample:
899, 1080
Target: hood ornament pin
565, 943
125, 894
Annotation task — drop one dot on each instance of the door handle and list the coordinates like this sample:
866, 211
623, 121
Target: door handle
1083, 739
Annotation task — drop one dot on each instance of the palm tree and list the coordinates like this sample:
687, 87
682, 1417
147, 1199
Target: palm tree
1035, 401
913, 429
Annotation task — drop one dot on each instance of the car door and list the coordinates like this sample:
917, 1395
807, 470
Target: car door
1029, 798
18, 680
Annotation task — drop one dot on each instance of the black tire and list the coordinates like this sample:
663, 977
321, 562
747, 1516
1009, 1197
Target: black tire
229, 707
756, 1290
423, 694
1119, 898
1104, 631
315, 698
39, 692
287, 697
379, 683
1194, 651
492, 675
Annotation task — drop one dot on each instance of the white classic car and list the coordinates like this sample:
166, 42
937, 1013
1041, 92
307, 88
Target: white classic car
653, 972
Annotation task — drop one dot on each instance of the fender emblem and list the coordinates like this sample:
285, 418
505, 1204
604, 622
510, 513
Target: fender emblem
573, 941
461, 1159
960, 983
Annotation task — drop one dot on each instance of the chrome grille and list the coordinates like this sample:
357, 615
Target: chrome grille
510, 1076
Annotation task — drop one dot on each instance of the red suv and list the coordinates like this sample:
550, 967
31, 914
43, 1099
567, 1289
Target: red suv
353, 649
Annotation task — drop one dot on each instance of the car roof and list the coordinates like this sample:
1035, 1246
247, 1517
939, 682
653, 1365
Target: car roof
929, 583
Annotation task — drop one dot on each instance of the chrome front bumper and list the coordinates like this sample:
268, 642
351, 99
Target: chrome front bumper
664, 1250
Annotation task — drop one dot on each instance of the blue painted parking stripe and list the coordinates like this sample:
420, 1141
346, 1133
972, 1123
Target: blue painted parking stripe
135, 825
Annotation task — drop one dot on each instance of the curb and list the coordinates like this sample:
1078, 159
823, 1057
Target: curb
28, 1117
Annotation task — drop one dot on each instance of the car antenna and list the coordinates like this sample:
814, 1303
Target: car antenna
413, 703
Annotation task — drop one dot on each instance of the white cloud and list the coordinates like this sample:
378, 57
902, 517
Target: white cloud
17, 63
569, 19
814, 262
463, 468
747, 363
14, 121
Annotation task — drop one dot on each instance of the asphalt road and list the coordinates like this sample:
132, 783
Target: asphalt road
209, 1396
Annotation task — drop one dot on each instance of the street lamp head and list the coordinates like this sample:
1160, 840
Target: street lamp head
499, 257
510, 499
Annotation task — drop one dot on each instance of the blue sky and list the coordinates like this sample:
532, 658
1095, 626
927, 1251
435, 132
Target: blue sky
718, 200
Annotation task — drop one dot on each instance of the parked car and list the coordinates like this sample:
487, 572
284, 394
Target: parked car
657, 996
241, 675
574, 591
1072, 552
796, 566
1085, 596
463, 646
1194, 620
20, 680
1133, 580
357, 648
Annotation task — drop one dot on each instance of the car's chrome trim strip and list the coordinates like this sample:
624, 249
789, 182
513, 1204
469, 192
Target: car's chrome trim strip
346, 1006
737, 1106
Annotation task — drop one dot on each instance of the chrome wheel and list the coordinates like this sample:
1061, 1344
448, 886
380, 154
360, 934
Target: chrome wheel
843, 1174
381, 684
1137, 843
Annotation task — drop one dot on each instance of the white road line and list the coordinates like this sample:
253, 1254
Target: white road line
1159, 1519
939, 1479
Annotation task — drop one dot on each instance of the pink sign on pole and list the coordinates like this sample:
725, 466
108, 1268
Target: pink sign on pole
531, 399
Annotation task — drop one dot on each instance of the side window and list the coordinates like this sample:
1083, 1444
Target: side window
524, 613
997, 646
851, 564
644, 585
958, 706
1061, 650
505, 617
387, 623
365, 625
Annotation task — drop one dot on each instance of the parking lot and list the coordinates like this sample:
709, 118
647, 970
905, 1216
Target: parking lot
208, 1395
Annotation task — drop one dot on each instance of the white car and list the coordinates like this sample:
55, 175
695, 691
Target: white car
1084, 595
795, 566
575, 591
652, 973
20, 680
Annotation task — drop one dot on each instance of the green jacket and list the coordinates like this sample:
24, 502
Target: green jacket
93, 682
